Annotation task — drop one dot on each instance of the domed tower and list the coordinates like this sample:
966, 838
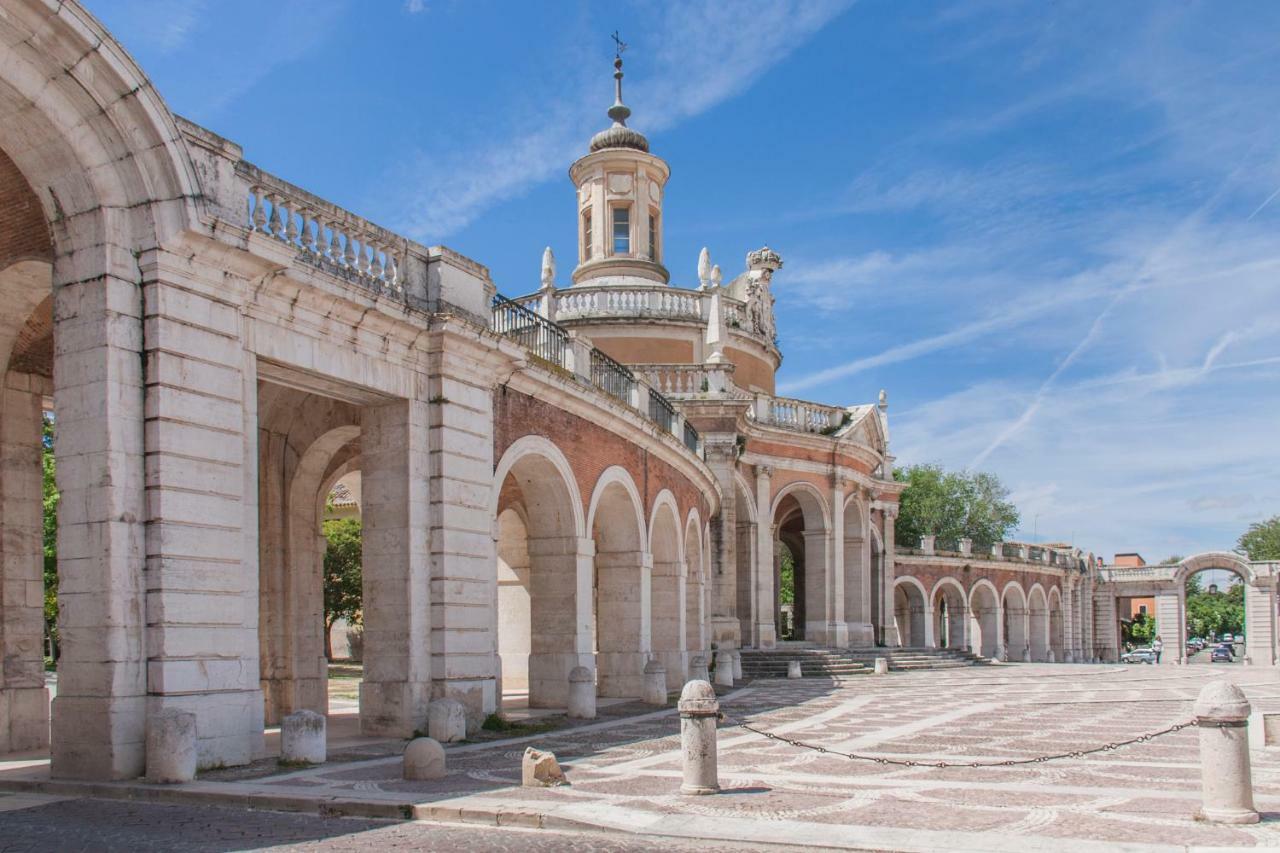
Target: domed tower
620, 186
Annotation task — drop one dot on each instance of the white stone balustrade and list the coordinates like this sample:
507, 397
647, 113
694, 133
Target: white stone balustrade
679, 381
798, 415
326, 235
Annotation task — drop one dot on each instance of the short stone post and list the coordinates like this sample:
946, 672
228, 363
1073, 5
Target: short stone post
699, 711
882, 666
724, 668
698, 668
582, 694
447, 720
655, 683
171, 746
1226, 780
423, 759
302, 738
793, 669
737, 664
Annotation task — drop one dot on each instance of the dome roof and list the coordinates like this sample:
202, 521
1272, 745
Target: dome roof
619, 136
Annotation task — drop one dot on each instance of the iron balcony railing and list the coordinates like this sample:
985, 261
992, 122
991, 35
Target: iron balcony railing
545, 339
611, 377
690, 437
661, 411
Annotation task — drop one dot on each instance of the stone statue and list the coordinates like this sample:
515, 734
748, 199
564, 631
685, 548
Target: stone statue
548, 269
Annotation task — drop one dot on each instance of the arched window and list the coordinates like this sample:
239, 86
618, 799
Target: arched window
621, 230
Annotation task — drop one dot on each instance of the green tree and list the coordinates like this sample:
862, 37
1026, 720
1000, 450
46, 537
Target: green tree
952, 505
1214, 613
1262, 540
342, 576
50, 498
1141, 631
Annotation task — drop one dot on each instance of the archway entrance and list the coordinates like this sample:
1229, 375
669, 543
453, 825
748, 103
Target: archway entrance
1215, 613
800, 518
949, 616
622, 646
984, 612
1038, 624
1015, 624
909, 612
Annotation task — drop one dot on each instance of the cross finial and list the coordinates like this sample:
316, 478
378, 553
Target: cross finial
621, 45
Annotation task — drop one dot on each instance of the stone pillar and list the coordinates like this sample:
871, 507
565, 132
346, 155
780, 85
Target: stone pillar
582, 693
667, 615
1260, 621
837, 628
1170, 626
99, 715
1222, 714
202, 641
623, 639
699, 712
24, 701
888, 627
655, 683
722, 458
817, 570
398, 607
1002, 642
724, 668
458, 459
766, 567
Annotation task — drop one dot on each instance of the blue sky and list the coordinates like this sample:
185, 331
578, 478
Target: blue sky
1049, 230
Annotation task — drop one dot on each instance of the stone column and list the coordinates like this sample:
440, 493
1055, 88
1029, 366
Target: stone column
1260, 621
24, 701
99, 714
1106, 635
202, 586
817, 569
622, 637
1170, 616
766, 566
837, 628
560, 616
886, 610
1002, 642
722, 457
398, 607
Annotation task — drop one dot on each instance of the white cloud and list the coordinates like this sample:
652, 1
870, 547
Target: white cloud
414, 7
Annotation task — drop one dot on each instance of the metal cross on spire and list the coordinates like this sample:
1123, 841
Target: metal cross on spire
621, 45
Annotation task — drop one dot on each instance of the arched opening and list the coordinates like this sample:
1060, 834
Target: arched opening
1057, 638
668, 589
537, 613
1038, 624
877, 604
695, 608
621, 582
746, 542
909, 612
949, 615
800, 519
1015, 623
984, 610
857, 575
1215, 615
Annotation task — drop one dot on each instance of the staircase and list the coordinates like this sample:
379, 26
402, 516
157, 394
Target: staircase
817, 661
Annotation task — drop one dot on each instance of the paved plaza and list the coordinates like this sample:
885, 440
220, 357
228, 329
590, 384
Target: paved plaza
625, 772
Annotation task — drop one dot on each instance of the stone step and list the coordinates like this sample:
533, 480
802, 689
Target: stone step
818, 661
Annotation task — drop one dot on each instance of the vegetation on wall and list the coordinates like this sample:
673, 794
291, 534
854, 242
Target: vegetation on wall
952, 505
342, 576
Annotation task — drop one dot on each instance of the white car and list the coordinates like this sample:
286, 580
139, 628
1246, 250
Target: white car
1138, 656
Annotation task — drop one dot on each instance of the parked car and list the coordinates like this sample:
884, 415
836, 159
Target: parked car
1138, 656
1221, 653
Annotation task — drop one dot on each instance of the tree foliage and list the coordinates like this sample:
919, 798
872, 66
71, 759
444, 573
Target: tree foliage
50, 496
1214, 613
342, 576
952, 505
1141, 631
1262, 540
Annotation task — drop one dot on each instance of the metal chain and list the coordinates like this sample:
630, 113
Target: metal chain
1012, 762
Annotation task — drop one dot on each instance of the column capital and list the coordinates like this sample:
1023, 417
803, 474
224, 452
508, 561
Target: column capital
764, 472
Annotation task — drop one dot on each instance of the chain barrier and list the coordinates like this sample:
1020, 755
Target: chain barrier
1011, 762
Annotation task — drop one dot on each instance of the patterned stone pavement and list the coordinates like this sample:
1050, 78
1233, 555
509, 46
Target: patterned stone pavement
625, 773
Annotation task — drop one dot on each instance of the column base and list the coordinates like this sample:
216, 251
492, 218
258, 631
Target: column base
620, 675
766, 635
726, 631
229, 724
24, 719
478, 695
393, 708
99, 738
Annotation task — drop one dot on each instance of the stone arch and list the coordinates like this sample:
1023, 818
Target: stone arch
695, 608
857, 571
911, 611
949, 612
668, 588
1057, 636
112, 179
803, 519
1214, 560
1259, 607
622, 584
881, 623
1013, 605
746, 561
984, 614
1038, 623
748, 501
542, 612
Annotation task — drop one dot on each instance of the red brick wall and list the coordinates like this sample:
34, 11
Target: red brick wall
930, 575
24, 233
590, 449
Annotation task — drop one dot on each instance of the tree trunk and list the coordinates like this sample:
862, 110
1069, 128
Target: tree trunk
328, 640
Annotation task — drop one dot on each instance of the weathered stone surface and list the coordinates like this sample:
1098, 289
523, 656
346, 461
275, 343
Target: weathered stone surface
1226, 777
793, 669
447, 720
699, 711
540, 769
582, 693
424, 759
171, 746
303, 738
655, 683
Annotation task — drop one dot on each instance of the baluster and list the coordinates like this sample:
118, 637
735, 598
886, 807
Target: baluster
276, 226
291, 228
392, 271
349, 256
258, 218
334, 248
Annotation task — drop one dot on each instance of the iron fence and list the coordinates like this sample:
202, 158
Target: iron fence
611, 377
536, 333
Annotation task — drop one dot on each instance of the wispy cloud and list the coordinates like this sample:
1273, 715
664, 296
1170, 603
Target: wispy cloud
704, 53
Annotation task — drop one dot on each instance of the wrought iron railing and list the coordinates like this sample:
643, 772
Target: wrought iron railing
690, 437
661, 411
545, 339
611, 377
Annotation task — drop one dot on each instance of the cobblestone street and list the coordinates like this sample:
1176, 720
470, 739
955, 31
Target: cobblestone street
625, 774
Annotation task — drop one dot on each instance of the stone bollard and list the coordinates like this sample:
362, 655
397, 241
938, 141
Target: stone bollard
699, 711
793, 669
882, 666
302, 738
447, 720
582, 694
171, 746
424, 759
539, 769
1226, 781
655, 683
737, 665
724, 668
698, 668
